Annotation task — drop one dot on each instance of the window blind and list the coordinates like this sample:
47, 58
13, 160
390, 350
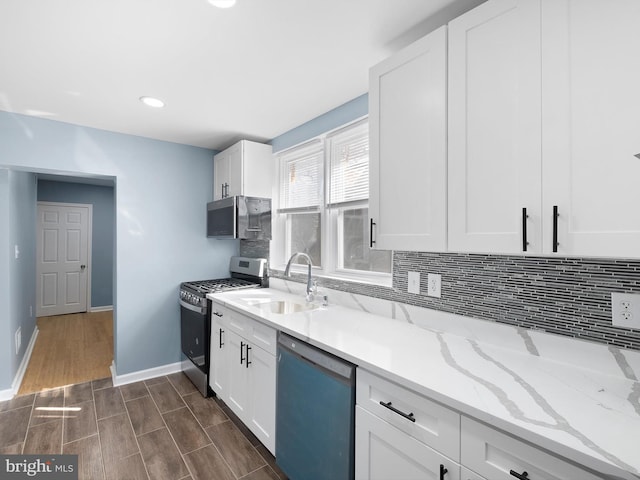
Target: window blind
349, 164
301, 177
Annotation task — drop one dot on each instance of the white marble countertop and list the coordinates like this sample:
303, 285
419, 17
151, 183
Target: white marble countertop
587, 411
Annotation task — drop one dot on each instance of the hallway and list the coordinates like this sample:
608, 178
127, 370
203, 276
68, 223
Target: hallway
70, 349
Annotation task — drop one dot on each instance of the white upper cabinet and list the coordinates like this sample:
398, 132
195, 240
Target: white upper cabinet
591, 126
544, 115
407, 131
245, 168
494, 154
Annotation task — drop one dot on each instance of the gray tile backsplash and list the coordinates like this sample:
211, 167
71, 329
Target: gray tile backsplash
562, 295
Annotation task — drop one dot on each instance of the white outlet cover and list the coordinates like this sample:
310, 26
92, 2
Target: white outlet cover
413, 282
434, 284
625, 310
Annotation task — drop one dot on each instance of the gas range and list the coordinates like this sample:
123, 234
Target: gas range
245, 273
195, 317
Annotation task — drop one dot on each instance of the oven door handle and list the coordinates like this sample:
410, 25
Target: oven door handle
193, 308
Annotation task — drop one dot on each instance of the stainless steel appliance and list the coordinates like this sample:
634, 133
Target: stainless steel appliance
239, 217
195, 313
315, 412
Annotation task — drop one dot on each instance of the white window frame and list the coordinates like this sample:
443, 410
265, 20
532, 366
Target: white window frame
330, 226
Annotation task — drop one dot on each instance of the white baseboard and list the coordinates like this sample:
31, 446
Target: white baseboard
105, 308
132, 377
9, 393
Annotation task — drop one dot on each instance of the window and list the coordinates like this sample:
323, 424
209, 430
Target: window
323, 206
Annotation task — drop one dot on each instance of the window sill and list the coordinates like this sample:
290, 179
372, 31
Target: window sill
363, 279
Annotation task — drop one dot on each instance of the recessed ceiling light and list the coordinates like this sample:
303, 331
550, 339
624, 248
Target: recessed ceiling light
222, 3
152, 102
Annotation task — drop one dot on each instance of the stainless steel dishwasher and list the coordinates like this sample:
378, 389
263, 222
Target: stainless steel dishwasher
315, 405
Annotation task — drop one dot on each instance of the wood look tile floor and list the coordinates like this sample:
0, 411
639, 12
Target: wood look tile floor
159, 429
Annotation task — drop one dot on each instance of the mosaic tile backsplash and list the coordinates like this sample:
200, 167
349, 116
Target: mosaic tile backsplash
562, 295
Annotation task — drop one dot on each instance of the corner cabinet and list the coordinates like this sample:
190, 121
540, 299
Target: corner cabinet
243, 370
245, 168
407, 138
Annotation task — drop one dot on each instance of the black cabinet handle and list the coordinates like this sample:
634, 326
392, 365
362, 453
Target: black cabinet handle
217, 314
242, 344
555, 228
524, 229
371, 240
246, 364
220, 341
521, 476
408, 416
443, 471
222, 190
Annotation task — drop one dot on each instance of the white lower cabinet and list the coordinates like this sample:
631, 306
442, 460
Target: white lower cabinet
402, 435
243, 370
384, 452
498, 456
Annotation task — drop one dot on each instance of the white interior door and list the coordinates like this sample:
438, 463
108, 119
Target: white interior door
63, 252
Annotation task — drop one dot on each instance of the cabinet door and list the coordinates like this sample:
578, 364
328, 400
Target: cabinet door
220, 174
219, 370
494, 127
238, 396
262, 391
235, 170
384, 452
591, 126
407, 125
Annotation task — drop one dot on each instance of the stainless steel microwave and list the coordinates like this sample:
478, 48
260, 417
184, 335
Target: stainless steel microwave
239, 217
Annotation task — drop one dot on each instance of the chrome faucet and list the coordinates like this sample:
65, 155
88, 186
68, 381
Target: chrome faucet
287, 272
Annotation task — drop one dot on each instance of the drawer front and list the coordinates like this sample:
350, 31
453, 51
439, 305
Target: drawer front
383, 452
494, 455
263, 336
238, 322
434, 425
220, 314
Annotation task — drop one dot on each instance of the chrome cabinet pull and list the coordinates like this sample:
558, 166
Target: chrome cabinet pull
408, 416
220, 341
521, 476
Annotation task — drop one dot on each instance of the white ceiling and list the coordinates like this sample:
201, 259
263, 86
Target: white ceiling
253, 71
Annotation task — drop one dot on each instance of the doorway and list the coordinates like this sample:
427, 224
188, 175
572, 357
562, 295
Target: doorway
75, 341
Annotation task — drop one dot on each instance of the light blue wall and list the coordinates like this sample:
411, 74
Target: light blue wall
345, 113
17, 286
161, 192
6, 368
103, 231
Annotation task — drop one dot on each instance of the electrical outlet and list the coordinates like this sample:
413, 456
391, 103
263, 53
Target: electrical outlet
625, 310
413, 282
434, 284
18, 339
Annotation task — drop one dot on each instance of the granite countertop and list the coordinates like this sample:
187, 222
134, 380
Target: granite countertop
586, 409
